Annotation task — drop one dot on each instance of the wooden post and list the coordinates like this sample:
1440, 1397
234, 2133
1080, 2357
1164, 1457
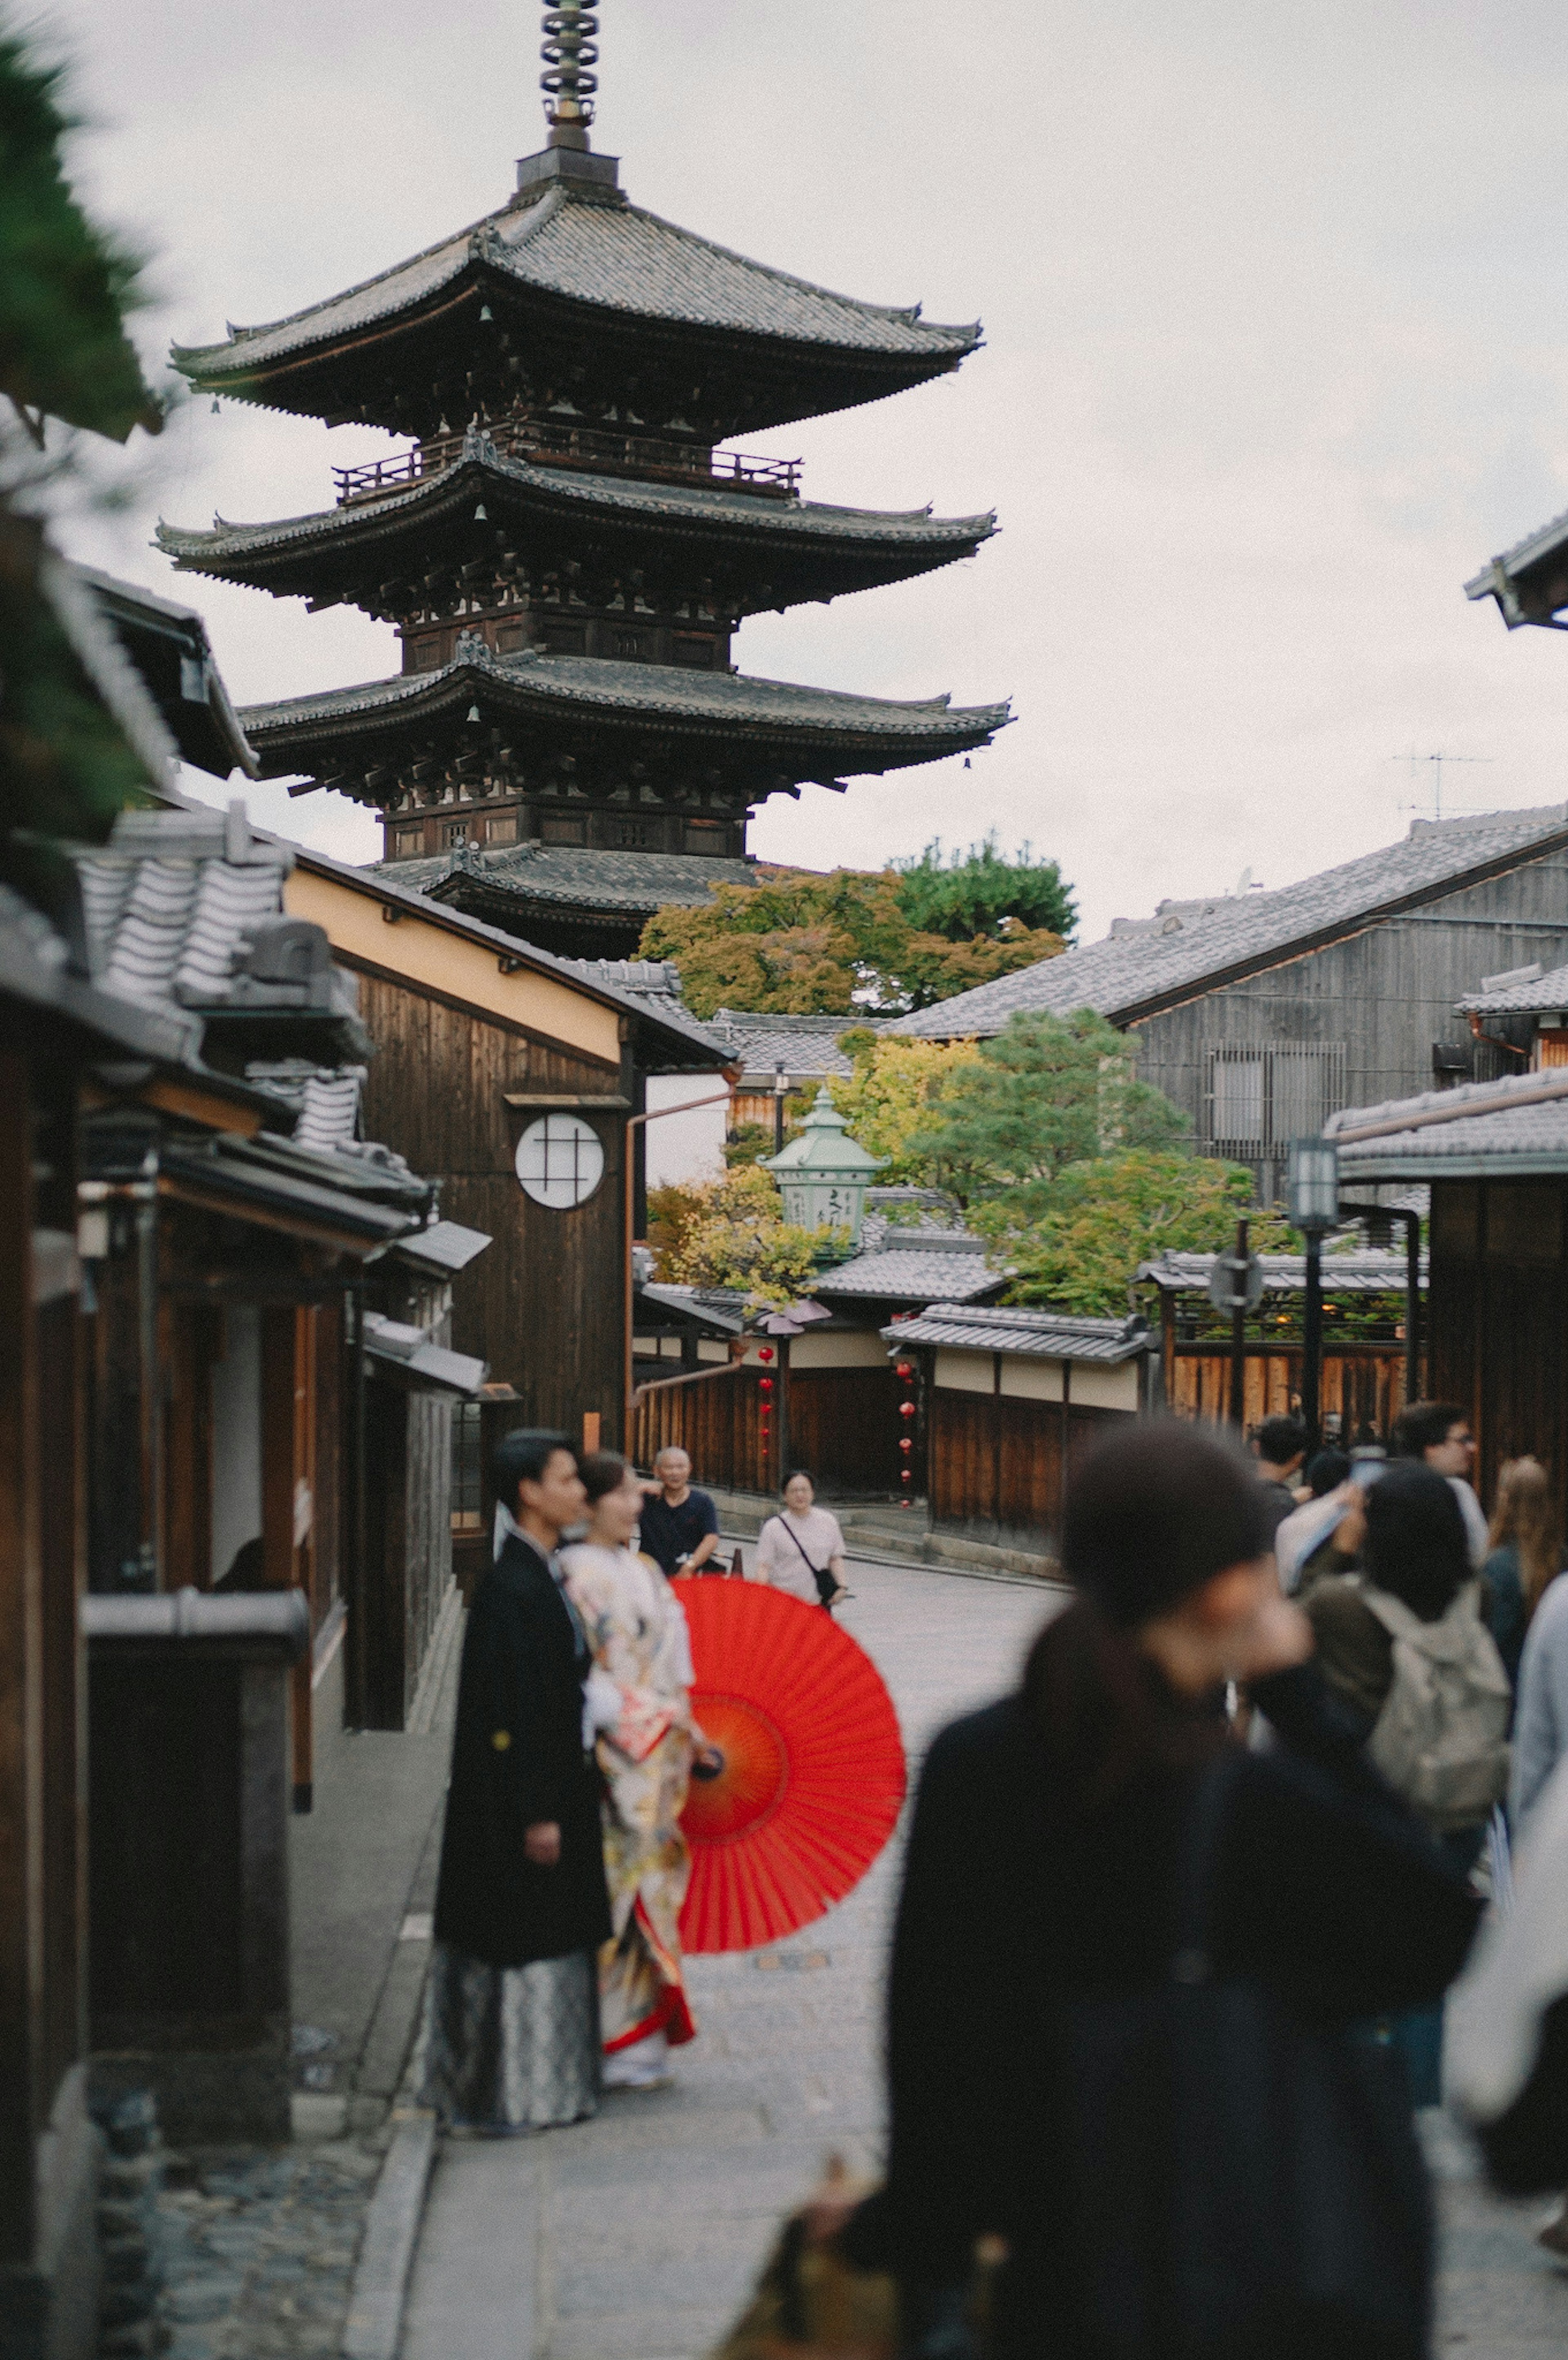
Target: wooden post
1238, 1339
1311, 1341
1412, 1307
21, 1763
591, 1425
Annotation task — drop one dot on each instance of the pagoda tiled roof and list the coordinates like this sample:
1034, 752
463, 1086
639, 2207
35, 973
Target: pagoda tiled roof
877, 732
612, 254
695, 508
583, 877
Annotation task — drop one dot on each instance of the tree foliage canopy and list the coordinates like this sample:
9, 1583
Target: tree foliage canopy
888, 1100
802, 943
65, 284
982, 893
1106, 1215
1046, 1093
732, 1232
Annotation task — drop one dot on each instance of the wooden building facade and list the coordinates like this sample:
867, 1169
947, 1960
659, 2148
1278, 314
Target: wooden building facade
1495, 1158
1006, 1401
1259, 1013
484, 1042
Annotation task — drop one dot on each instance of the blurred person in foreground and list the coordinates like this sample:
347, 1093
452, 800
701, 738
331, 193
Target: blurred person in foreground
637, 1628
680, 1524
511, 2037
1089, 1855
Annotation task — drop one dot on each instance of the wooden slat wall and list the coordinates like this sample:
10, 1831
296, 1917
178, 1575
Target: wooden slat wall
543, 1304
1498, 1321
995, 1462
845, 1426
713, 1416
1364, 1384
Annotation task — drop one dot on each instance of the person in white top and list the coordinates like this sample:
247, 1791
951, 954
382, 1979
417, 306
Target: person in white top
802, 1549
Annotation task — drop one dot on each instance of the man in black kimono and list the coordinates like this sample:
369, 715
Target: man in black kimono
512, 2034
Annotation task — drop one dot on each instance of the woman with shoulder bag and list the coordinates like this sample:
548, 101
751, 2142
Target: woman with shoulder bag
801, 1550
1130, 1961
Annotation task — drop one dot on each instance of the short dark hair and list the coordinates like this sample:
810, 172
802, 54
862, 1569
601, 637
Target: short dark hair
1326, 1471
790, 1477
521, 1457
1415, 1545
602, 1471
1422, 1425
1281, 1439
1156, 1510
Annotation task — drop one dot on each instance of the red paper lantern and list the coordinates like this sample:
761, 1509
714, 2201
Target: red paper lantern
905, 1476
765, 1385
764, 1352
906, 1409
906, 1443
905, 1371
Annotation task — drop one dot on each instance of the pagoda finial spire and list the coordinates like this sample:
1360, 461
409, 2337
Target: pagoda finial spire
570, 52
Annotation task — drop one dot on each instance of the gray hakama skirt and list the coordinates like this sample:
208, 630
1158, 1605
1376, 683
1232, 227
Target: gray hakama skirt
510, 2048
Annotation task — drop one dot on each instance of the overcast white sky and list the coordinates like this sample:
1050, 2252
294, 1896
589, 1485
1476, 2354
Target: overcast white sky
1276, 355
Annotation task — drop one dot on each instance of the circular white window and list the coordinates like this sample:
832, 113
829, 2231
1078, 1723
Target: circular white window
560, 1161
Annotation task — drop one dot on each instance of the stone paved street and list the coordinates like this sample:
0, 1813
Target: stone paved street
257, 2249
637, 2236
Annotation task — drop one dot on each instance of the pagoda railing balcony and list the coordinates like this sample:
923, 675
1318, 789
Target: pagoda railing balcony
551, 443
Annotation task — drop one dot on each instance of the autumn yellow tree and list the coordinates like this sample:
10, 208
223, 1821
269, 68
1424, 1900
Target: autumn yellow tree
732, 1232
888, 1098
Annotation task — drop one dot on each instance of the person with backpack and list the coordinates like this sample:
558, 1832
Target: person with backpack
1403, 1645
1130, 1962
1525, 1554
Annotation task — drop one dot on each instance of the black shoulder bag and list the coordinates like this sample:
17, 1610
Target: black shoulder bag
1236, 2180
821, 1575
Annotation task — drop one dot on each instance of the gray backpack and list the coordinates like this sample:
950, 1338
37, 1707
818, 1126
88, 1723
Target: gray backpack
1442, 1736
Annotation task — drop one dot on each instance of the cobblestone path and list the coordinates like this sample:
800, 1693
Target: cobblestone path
638, 2235
257, 2248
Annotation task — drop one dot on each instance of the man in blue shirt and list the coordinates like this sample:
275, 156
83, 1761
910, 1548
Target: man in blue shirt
679, 1525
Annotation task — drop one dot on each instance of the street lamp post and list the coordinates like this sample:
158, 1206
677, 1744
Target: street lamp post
1313, 1188
780, 1085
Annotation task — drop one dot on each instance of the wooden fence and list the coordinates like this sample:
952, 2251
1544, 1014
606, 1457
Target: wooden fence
995, 1462
715, 1417
1363, 1384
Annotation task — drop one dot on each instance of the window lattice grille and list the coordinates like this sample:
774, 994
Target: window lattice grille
1259, 1099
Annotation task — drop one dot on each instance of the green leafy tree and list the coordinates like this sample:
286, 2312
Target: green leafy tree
1108, 1215
802, 943
888, 1100
1046, 1093
65, 285
732, 1232
980, 893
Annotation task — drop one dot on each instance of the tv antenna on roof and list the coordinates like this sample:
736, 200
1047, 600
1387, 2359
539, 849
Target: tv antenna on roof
1435, 761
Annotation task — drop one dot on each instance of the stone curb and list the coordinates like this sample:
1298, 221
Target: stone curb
375, 2324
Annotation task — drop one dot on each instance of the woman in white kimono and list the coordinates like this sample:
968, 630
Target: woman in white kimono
637, 1631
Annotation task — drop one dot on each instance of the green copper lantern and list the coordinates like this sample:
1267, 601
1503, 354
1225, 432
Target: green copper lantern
823, 1174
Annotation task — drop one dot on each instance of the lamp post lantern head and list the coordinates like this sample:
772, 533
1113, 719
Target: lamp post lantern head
823, 1174
1311, 1181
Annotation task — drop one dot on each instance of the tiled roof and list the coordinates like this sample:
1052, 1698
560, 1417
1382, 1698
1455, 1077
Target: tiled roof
593, 880
723, 1309
1036, 1335
1190, 947
611, 255
1373, 1271
407, 1355
940, 1268
172, 655
806, 1046
1505, 579
1509, 1128
841, 724
649, 978
720, 507
1529, 995
184, 909
325, 1099
35, 968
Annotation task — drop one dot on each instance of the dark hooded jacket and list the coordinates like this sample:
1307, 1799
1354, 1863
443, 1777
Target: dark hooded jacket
517, 1759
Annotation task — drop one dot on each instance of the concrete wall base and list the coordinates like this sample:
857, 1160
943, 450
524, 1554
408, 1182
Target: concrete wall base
48, 2310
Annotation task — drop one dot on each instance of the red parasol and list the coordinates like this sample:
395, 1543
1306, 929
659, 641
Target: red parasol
813, 1774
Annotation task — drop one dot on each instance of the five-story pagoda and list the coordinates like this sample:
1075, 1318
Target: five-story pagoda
565, 548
